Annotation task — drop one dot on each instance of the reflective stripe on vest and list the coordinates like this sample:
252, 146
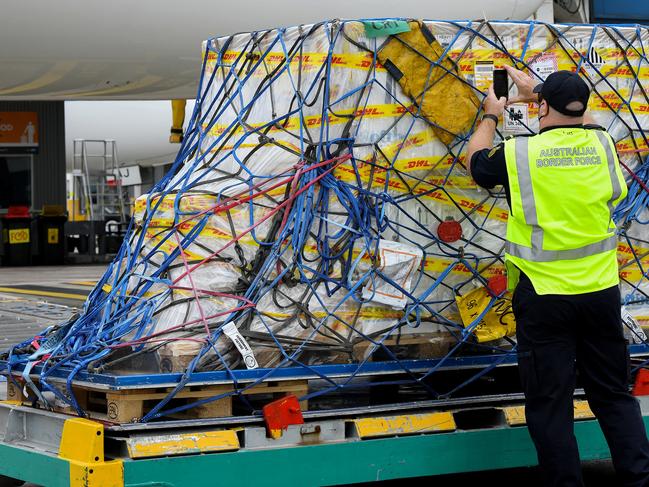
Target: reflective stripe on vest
536, 253
610, 159
540, 255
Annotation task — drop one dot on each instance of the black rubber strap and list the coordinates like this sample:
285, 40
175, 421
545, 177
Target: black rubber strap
425, 31
391, 68
490, 116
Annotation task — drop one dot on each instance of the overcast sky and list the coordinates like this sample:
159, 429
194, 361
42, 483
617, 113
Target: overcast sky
141, 128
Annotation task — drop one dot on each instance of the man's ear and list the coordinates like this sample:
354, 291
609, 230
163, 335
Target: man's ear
544, 109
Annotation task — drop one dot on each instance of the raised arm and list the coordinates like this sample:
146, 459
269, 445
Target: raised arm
525, 84
483, 137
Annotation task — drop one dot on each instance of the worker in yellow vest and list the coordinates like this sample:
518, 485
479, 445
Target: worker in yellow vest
562, 186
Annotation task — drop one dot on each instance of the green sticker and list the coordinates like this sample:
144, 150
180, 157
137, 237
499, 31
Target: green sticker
379, 28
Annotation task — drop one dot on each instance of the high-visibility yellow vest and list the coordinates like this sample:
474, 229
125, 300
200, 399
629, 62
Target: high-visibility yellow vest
564, 185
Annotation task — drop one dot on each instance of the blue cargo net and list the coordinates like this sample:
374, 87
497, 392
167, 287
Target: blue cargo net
319, 212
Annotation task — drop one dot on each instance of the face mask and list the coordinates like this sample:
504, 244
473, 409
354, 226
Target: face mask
540, 117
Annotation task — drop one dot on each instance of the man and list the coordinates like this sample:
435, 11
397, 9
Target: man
562, 186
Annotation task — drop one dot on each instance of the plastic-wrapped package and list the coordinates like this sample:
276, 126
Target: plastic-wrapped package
314, 148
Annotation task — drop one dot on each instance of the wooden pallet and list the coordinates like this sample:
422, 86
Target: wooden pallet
421, 346
128, 405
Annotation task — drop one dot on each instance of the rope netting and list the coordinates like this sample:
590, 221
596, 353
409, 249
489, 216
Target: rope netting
319, 210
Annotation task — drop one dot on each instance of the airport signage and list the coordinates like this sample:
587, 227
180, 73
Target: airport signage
128, 175
18, 132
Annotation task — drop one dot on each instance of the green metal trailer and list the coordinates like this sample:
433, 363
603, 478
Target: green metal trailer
330, 448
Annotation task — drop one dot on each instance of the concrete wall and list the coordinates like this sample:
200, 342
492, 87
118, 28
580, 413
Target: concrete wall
49, 164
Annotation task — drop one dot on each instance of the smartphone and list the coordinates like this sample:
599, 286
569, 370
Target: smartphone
501, 83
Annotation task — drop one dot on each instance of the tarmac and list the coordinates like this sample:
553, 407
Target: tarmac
33, 298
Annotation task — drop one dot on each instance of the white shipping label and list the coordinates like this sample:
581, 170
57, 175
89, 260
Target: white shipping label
544, 65
483, 74
128, 175
233, 334
507, 41
632, 330
399, 263
594, 63
444, 39
516, 119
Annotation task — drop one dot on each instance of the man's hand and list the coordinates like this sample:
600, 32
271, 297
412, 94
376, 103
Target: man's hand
483, 136
493, 105
525, 84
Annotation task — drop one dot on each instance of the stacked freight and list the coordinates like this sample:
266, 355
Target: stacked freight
319, 210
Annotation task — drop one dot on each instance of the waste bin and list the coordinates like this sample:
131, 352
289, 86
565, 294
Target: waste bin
16, 236
51, 227
114, 236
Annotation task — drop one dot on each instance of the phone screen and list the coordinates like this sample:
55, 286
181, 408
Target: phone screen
501, 83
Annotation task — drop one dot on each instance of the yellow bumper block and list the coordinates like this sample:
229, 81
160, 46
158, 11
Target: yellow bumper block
409, 424
82, 445
183, 444
515, 415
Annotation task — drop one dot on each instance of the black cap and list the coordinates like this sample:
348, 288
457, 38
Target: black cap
562, 88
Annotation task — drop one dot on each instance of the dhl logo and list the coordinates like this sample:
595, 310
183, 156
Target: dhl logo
466, 58
631, 144
632, 275
624, 71
414, 141
392, 183
436, 265
187, 204
418, 163
466, 64
621, 105
228, 56
606, 53
289, 123
630, 268
463, 182
482, 55
168, 246
623, 248
357, 60
366, 312
428, 192
370, 111
230, 147
610, 96
405, 166
432, 264
338, 60
154, 290
438, 162
210, 230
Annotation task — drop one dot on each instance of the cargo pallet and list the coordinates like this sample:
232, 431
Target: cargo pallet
332, 447
129, 405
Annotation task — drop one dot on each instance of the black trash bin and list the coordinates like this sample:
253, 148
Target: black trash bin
17, 236
51, 227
